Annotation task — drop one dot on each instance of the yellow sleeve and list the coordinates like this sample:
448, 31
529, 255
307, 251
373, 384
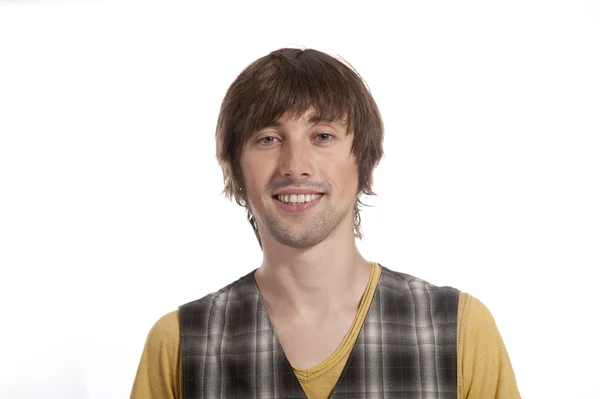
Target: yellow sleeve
484, 368
159, 372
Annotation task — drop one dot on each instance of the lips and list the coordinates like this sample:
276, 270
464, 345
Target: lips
297, 191
297, 207
297, 198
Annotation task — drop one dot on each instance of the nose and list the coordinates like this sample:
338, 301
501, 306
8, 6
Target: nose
296, 160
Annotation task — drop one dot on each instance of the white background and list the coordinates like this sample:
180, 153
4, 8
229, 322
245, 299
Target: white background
111, 212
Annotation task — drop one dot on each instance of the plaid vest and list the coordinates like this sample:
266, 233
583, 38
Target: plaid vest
406, 347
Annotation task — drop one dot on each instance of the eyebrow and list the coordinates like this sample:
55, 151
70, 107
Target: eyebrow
314, 119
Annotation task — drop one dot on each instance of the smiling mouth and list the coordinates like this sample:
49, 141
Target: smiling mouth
297, 199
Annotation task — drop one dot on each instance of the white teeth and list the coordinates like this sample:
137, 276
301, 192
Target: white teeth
297, 198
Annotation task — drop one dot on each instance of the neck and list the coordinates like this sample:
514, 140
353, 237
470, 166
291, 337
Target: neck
313, 283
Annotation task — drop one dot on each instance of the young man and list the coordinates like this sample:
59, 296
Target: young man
298, 137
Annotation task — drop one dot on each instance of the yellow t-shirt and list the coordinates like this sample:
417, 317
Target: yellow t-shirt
484, 368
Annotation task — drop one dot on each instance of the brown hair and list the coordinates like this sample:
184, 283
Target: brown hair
292, 80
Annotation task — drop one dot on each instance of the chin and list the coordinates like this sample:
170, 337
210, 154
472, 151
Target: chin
300, 240
303, 243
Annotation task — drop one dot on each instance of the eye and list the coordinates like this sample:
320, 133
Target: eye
267, 140
324, 137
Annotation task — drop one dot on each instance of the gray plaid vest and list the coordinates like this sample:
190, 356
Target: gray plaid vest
405, 349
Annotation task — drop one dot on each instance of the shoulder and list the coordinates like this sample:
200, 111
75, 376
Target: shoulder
474, 312
235, 290
398, 282
477, 325
165, 331
167, 328
418, 298
209, 312
158, 371
483, 361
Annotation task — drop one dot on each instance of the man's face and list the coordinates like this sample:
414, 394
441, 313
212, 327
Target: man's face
301, 179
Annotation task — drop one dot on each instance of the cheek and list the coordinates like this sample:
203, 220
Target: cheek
256, 174
353, 180
344, 175
351, 171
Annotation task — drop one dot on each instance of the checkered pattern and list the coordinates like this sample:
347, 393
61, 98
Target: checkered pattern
406, 348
